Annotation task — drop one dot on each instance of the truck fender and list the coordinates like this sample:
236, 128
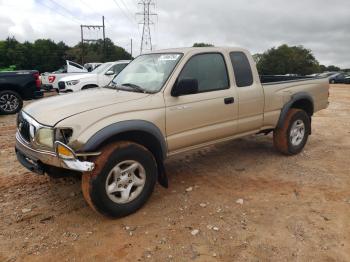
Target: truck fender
295, 97
123, 127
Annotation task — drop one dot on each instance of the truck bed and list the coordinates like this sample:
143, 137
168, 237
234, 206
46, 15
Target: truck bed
278, 93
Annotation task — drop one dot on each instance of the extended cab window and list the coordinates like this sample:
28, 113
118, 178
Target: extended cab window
209, 70
242, 69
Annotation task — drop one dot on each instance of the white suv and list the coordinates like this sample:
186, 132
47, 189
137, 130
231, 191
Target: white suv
101, 76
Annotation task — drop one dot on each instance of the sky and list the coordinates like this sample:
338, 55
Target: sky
322, 26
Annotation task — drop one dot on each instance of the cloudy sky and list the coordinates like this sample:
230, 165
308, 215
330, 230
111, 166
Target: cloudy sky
320, 25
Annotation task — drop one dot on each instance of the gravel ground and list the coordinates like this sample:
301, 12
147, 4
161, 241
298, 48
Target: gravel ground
236, 201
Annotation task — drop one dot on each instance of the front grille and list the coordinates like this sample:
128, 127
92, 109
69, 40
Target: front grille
23, 127
61, 85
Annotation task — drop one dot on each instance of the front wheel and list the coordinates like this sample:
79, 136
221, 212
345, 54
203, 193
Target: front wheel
122, 181
291, 138
10, 102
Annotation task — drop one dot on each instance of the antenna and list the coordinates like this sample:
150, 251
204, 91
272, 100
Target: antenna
146, 39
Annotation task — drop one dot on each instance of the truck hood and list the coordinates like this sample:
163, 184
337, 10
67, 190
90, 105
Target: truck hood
91, 76
49, 111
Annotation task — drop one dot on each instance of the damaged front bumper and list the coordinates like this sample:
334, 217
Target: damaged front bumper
36, 159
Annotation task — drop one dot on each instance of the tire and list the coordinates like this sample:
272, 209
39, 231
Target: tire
95, 184
291, 138
10, 102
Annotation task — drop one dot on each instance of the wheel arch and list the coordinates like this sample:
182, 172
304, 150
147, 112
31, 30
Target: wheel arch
301, 100
139, 131
87, 86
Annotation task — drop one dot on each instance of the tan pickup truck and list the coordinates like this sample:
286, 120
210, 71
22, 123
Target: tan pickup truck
163, 103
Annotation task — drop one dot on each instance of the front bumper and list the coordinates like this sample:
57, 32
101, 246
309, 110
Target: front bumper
35, 159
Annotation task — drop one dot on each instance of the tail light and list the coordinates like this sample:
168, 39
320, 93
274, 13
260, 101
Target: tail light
37, 80
51, 79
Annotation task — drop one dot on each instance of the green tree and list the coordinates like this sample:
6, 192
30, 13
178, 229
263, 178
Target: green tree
288, 60
202, 45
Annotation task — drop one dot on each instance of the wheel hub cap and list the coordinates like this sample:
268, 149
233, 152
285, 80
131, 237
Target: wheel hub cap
297, 132
125, 181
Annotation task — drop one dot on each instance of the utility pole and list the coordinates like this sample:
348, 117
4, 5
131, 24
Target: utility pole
104, 39
131, 47
84, 40
146, 39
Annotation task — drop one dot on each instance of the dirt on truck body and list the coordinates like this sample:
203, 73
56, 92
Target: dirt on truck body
235, 201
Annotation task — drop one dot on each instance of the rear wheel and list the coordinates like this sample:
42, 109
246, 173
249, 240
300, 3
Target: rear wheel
291, 138
10, 102
123, 180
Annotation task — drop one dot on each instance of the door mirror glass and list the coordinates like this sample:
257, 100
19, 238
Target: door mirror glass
109, 73
185, 86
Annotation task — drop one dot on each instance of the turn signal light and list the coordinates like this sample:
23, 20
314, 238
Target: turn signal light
64, 151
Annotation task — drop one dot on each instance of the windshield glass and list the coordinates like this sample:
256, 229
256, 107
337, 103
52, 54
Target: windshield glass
101, 68
148, 72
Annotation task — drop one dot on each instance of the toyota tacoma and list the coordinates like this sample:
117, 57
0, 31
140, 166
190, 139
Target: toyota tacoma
163, 103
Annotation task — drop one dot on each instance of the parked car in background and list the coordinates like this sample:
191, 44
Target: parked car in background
101, 76
337, 78
50, 80
92, 66
163, 103
17, 86
347, 79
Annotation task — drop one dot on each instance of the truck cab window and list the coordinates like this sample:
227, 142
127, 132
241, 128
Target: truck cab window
242, 69
210, 71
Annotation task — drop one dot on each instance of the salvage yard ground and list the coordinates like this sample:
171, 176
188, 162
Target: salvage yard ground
237, 201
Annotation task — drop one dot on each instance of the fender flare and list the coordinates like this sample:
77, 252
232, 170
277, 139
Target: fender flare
287, 106
132, 125
120, 127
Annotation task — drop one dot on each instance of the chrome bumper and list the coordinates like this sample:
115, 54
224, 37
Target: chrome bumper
32, 158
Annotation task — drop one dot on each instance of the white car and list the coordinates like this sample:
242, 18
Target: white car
50, 80
101, 76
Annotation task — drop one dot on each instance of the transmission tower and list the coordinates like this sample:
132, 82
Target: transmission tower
146, 39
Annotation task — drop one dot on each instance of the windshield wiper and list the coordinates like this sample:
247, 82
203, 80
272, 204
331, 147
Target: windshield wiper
135, 87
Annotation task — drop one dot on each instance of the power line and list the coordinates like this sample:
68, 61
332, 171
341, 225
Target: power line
66, 10
58, 12
117, 4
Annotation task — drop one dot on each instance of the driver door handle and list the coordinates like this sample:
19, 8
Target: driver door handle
229, 100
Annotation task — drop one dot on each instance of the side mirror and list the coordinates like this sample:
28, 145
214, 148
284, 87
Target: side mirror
185, 87
109, 73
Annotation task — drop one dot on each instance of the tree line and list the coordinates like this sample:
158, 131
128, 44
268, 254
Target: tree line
46, 55
287, 60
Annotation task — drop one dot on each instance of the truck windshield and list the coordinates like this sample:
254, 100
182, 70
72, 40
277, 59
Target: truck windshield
147, 72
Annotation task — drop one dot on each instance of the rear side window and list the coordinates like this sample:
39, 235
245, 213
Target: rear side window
210, 71
242, 69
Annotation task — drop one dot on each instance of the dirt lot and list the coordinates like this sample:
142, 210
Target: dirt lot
248, 202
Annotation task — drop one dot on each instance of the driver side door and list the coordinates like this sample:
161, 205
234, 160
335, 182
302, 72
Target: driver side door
208, 115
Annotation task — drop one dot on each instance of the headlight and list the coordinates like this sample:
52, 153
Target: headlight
72, 83
44, 137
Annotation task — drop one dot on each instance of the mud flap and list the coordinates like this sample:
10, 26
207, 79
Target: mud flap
162, 177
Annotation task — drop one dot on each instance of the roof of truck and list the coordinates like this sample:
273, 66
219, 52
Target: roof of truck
196, 49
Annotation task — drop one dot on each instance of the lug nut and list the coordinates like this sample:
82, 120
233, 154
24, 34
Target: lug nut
119, 185
130, 181
125, 186
129, 175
